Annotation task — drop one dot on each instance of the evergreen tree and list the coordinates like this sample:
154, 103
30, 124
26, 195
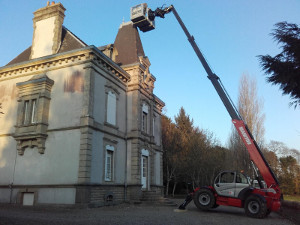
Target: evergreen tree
284, 68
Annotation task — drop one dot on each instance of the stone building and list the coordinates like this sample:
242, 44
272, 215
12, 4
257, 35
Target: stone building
81, 124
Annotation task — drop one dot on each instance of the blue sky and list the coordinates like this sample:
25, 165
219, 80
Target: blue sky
230, 33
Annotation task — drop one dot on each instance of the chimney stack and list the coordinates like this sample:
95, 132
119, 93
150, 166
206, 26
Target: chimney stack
47, 30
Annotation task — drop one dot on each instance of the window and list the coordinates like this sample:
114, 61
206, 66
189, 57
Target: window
227, 177
241, 178
144, 122
29, 112
109, 159
153, 126
145, 110
144, 77
145, 168
111, 113
25, 113
33, 112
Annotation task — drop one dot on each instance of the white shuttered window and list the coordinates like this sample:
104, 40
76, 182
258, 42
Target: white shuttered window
111, 108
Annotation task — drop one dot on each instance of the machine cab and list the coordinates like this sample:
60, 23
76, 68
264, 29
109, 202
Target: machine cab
229, 183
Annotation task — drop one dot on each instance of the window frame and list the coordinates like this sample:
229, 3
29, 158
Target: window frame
114, 91
111, 102
109, 151
29, 112
153, 125
224, 177
145, 154
145, 118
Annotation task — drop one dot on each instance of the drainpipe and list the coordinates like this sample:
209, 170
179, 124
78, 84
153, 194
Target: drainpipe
126, 121
13, 178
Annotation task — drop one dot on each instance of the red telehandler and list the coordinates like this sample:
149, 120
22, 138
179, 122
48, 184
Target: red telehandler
230, 188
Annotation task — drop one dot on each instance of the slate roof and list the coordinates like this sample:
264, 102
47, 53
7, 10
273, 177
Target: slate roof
128, 45
24, 56
69, 42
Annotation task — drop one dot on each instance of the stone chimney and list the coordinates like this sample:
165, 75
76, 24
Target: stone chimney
47, 30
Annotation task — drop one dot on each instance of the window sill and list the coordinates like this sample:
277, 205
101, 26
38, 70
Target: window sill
109, 181
146, 134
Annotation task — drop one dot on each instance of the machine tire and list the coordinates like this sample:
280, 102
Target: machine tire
255, 207
204, 199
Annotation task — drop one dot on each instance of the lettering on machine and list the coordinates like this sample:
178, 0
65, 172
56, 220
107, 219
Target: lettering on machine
245, 136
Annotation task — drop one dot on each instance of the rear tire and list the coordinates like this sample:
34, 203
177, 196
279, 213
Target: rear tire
255, 207
204, 199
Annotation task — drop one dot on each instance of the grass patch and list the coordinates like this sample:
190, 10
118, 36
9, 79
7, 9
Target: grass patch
295, 198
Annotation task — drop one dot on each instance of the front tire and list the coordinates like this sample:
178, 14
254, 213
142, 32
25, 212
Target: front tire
204, 199
255, 207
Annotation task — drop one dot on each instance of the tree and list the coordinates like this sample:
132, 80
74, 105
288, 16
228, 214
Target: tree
284, 68
185, 127
191, 155
278, 147
289, 175
171, 146
272, 159
250, 107
283, 162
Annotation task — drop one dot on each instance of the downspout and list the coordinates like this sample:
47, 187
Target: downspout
126, 121
13, 178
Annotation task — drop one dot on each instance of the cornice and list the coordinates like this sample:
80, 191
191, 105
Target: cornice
66, 59
158, 102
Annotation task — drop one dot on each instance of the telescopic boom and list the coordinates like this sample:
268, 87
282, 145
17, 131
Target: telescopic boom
146, 24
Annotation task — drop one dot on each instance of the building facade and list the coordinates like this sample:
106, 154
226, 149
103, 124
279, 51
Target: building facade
81, 124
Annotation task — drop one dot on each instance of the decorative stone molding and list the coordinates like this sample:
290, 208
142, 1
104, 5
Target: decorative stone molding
159, 104
32, 141
88, 54
33, 111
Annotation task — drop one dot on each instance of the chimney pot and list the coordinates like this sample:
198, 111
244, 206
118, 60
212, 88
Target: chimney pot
53, 2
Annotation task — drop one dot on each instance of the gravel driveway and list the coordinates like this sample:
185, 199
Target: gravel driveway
131, 214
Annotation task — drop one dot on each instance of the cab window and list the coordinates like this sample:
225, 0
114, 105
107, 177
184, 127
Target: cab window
227, 177
241, 178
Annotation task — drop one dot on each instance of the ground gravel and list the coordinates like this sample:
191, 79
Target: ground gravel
134, 214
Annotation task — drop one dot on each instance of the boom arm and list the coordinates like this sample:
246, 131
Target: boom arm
248, 139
